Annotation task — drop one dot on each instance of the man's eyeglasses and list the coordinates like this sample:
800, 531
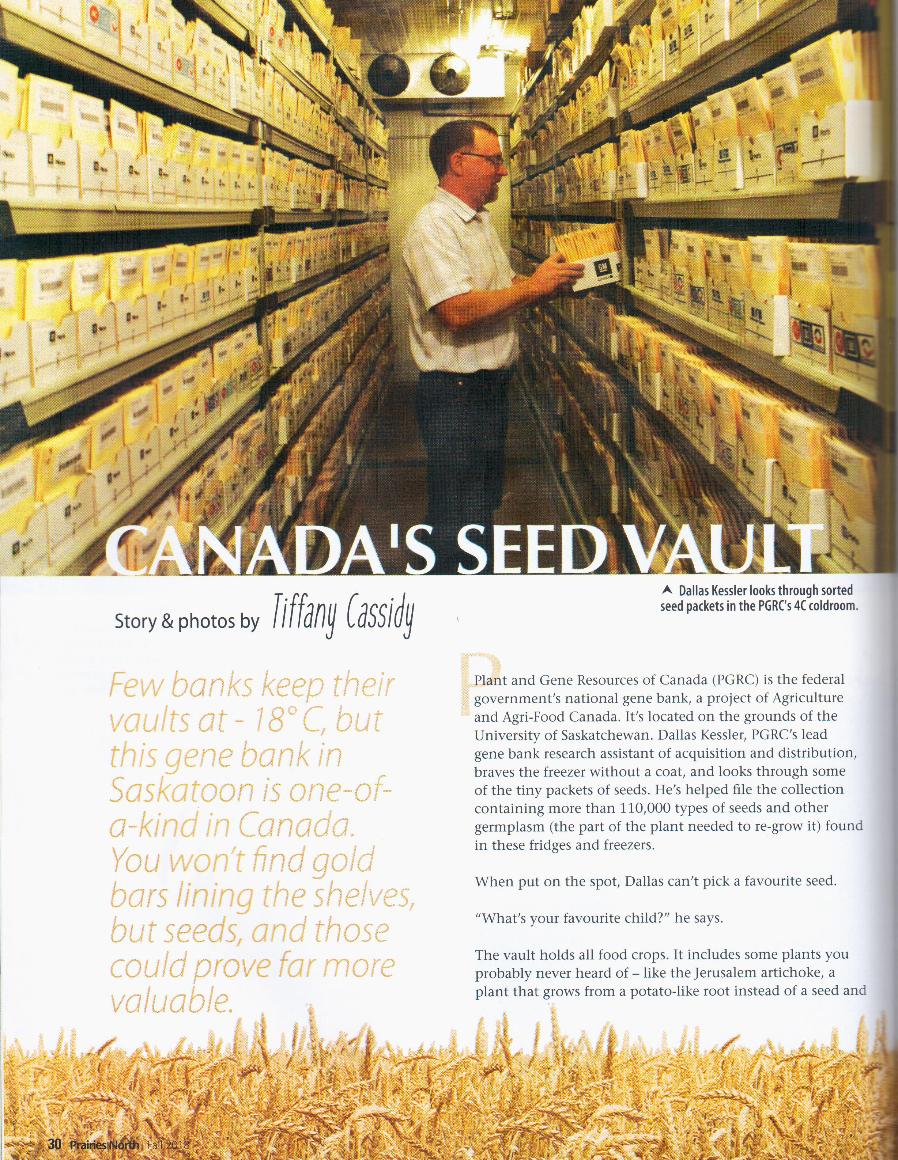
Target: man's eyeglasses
495, 159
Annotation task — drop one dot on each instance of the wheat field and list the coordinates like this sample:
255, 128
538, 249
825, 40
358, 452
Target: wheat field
356, 1099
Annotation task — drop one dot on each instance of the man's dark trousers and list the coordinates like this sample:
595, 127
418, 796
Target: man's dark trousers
463, 421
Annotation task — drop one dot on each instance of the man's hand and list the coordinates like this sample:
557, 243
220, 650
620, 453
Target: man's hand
554, 276
477, 306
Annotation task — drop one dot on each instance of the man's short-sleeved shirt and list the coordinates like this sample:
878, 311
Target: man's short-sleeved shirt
451, 249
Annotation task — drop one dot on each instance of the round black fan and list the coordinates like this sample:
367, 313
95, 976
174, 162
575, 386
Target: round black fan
450, 74
388, 75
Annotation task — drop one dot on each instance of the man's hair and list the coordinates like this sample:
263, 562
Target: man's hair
451, 137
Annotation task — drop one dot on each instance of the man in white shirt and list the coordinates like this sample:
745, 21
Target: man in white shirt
463, 297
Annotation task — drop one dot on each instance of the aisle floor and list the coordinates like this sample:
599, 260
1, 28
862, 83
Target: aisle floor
390, 483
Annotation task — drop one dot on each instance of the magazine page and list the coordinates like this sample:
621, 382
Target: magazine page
447, 550
468, 880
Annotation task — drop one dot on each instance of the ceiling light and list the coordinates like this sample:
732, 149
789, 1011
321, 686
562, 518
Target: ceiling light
505, 9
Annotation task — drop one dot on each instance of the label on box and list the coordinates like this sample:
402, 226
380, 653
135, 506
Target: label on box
843, 142
67, 514
157, 316
133, 177
759, 161
633, 180
184, 70
704, 170
160, 55
785, 149
172, 434
852, 538
856, 349
54, 350
161, 182
737, 314
767, 324
96, 173
690, 39
144, 456
131, 322
728, 168
96, 334
719, 303
24, 552
15, 362
809, 330
101, 27
795, 503
698, 299
112, 482
15, 166
54, 169
134, 42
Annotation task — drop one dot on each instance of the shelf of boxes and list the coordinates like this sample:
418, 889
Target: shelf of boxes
817, 387
87, 549
294, 482
787, 27
56, 363
299, 82
52, 45
232, 396
806, 193
611, 435
316, 19
577, 507
55, 397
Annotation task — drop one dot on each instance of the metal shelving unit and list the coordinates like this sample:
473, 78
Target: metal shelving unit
830, 210
278, 139
40, 405
316, 406
44, 410
30, 218
672, 434
593, 64
796, 376
155, 489
795, 24
589, 140
22, 33
299, 82
831, 201
315, 281
87, 554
